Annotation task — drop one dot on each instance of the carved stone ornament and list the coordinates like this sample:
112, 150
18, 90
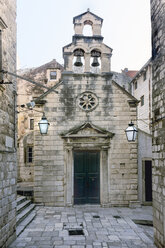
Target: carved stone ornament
87, 101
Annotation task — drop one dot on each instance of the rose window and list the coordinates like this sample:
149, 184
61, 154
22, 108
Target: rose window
88, 101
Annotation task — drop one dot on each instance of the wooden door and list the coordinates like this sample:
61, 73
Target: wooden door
148, 181
86, 177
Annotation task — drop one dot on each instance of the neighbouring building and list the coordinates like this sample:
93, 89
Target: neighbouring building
125, 75
123, 80
158, 126
85, 156
142, 90
7, 123
47, 75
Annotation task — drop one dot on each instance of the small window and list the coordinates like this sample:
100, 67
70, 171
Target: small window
144, 76
31, 124
28, 154
53, 75
135, 85
142, 100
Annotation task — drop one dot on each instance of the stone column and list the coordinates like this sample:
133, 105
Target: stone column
105, 63
104, 195
68, 60
96, 29
87, 62
68, 176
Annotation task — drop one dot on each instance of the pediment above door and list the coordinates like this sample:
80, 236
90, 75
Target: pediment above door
87, 129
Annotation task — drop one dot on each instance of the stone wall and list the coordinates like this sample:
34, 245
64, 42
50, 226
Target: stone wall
53, 158
7, 123
158, 56
27, 92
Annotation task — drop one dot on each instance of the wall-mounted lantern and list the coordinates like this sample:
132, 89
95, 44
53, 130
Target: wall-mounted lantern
43, 124
131, 132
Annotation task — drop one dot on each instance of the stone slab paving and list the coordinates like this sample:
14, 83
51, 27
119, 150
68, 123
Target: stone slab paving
102, 227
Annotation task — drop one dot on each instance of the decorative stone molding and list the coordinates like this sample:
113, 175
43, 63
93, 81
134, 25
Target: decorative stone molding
86, 137
87, 101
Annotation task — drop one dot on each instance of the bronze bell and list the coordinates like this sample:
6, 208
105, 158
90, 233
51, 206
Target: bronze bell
95, 62
78, 61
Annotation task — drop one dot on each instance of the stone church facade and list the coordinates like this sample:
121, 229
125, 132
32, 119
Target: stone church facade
85, 157
8, 158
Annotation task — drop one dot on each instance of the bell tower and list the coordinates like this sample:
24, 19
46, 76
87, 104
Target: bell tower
87, 53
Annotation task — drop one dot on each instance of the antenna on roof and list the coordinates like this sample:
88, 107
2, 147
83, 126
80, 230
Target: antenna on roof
88, 9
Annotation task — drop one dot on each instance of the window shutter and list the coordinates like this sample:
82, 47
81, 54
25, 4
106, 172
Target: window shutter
25, 155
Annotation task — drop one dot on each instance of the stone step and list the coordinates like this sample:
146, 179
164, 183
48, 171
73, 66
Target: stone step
21, 216
20, 199
23, 205
25, 222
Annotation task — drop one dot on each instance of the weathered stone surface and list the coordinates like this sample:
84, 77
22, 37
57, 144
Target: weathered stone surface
7, 123
51, 225
158, 56
74, 126
26, 93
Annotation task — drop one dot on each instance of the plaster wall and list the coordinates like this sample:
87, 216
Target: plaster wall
144, 153
144, 88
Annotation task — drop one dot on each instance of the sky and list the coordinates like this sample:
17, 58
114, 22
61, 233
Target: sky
45, 26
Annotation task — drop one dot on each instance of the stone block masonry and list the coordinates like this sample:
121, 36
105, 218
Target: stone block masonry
7, 124
53, 156
88, 116
158, 105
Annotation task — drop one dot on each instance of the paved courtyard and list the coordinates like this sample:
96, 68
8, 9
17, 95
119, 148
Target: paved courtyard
87, 226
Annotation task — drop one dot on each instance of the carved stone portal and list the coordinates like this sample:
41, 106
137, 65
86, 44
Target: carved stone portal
87, 137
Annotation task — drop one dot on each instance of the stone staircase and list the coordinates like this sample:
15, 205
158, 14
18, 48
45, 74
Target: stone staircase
25, 213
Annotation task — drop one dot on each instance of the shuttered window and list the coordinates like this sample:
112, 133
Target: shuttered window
28, 155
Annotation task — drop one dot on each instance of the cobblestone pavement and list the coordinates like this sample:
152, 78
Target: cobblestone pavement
102, 227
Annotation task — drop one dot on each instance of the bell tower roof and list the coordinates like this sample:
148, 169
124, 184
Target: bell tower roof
89, 14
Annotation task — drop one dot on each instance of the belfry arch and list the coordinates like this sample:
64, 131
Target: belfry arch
89, 44
88, 28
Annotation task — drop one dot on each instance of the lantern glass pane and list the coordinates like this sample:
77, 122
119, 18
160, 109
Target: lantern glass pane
135, 134
131, 133
43, 125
